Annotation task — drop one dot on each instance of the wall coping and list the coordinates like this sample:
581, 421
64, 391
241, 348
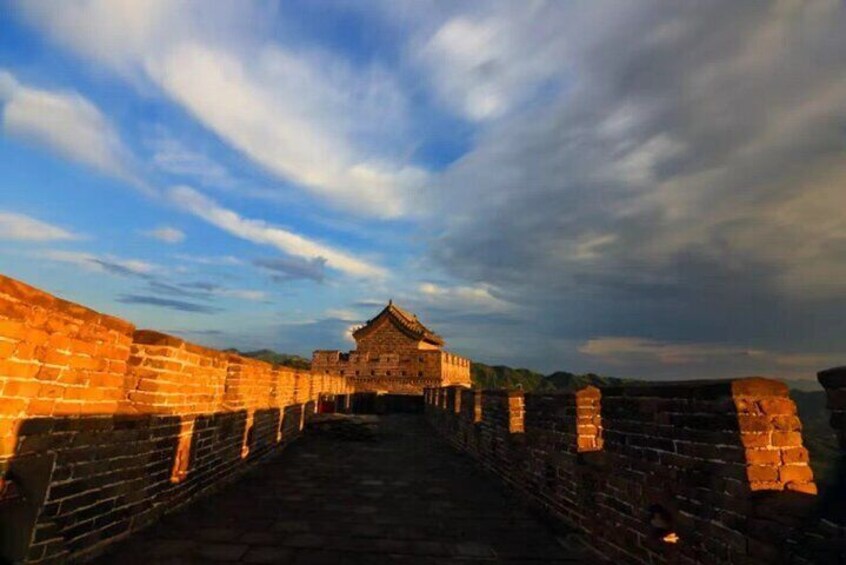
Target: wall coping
32, 296
833, 378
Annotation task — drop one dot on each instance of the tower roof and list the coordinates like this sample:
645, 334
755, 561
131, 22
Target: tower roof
405, 321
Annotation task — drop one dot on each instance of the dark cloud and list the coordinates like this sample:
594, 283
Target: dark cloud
178, 305
176, 290
370, 304
444, 317
285, 269
684, 185
201, 290
199, 332
121, 270
201, 285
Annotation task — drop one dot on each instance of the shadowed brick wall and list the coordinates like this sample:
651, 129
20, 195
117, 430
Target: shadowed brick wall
834, 382
104, 428
687, 472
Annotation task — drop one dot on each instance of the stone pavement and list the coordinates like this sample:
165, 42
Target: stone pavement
403, 496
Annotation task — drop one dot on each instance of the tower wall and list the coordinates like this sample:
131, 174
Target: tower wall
407, 372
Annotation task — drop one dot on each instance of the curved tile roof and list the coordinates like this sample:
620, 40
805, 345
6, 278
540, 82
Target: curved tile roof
405, 321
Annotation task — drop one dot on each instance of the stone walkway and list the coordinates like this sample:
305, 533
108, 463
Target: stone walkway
403, 496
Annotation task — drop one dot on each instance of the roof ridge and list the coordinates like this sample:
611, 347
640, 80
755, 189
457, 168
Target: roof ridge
407, 320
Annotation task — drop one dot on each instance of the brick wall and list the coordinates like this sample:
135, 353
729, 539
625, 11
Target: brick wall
688, 472
454, 369
834, 382
401, 372
104, 428
387, 338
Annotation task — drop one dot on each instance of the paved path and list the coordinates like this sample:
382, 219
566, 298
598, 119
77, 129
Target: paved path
403, 497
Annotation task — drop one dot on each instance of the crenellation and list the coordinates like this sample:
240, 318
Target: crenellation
395, 354
834, 382
106, 428
130, 423
695, 472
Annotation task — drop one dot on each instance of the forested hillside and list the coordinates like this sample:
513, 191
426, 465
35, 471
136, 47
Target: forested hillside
500, 376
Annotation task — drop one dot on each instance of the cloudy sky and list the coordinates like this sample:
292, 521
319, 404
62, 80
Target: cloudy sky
640, 189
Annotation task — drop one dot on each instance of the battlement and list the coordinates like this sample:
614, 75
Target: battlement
834, 381
103, 428
405, 372
689, 472
395, 354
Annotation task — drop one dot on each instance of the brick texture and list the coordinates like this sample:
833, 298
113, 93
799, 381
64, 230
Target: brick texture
388, 360
133, 423
104, 428
687, 472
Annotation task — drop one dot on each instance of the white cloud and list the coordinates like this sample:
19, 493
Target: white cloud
624, 350
812, 362
260, 232
78, 258
144, 270
466, 298
632, 351
275, 117
108, 31
102, 264
222, 260
172, 156
484, 65
64, 122
25, 228
243, 294
343, 315
305, 117
348, 333
167, 234
590, 246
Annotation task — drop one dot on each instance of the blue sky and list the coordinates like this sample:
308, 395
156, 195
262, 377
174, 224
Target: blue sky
625, 188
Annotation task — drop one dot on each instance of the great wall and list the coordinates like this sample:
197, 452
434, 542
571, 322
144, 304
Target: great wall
106, 430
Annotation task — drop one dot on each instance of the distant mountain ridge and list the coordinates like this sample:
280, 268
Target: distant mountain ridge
818, 435
811, 404
501, 376
481, 375
274, 358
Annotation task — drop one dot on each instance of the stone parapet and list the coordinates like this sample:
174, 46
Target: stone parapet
406, 372
834, 382
103, 428
684, 472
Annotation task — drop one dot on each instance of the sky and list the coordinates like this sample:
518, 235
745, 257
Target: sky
640, 189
